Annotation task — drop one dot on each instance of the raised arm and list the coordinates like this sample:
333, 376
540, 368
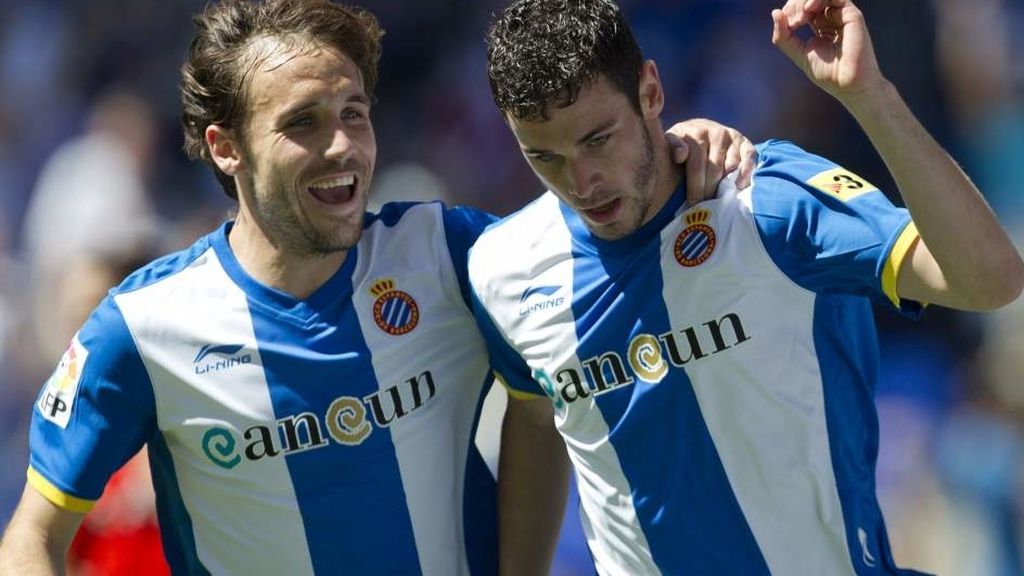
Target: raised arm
533, 482
36, 541
964, 258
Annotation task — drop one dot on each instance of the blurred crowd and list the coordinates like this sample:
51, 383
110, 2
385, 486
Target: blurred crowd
93, 183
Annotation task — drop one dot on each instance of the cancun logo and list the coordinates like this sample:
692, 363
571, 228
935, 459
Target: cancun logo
548, 302
647, 357
348, 421
212, 358
697, 241
394, 311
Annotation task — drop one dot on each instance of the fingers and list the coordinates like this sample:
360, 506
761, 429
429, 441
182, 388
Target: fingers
748, 162
696, 172
828, 24
783, 37
710, 151
680, 150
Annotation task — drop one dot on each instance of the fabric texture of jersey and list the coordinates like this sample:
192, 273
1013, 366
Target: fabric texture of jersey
330, 435
713, 372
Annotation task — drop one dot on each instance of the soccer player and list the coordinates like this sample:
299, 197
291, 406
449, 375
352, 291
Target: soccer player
710, 367
308, 378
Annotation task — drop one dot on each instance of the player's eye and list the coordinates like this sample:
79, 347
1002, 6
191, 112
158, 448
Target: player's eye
353, 114
597, 141
300, 121
544, 157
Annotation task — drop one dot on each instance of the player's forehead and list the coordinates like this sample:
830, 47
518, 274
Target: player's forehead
290, 69
599, 105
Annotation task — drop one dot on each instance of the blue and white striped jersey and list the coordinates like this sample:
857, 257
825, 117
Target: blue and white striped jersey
331, 435
712, 373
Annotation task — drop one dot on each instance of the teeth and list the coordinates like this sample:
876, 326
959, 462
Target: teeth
334, 182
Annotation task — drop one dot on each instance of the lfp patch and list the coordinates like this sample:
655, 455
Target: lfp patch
394, 311
841, 183
697, 241
58, 396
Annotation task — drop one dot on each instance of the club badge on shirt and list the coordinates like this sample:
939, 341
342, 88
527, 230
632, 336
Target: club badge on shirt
58, 396
394, 311
697, 241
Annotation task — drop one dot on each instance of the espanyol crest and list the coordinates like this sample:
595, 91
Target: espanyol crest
696, 242
394, 311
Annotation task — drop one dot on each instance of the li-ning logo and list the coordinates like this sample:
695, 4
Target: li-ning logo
697, 241
525, 308
394, 311
219, 358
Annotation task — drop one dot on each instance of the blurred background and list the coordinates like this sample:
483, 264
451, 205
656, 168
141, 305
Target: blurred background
93, 183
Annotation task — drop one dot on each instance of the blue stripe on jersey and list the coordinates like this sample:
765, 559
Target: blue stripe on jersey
845, 342
480, 506
702, 524
344, 522
504, 359
175, 523
462, 226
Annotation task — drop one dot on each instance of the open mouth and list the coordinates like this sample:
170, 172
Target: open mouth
603, 213
334, 191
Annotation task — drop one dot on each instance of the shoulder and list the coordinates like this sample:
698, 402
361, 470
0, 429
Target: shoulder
166, 267
524, 229
787, 173
425, 217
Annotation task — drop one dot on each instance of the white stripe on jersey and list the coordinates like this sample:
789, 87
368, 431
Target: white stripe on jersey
202, 302
549, 335
796, 534
436, 516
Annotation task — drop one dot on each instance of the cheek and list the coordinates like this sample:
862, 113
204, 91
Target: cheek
547, 173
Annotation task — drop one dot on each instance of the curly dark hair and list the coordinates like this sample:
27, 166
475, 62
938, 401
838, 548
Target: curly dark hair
221, 62
542, 52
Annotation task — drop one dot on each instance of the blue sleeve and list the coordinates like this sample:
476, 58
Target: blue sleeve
826, 228
508, 365
463, 225
93, 414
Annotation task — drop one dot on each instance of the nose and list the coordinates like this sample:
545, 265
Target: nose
340, 147
583, 178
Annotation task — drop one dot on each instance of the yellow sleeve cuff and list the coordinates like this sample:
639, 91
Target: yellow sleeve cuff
890, 274
517, 394
56, 495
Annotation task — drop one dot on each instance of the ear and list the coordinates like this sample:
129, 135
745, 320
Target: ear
652, 97
226, 153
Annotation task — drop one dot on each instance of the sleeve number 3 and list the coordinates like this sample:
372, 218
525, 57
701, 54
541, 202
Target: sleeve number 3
848, 182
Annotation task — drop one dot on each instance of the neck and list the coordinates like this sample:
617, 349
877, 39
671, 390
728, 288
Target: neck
274, 265
667, 174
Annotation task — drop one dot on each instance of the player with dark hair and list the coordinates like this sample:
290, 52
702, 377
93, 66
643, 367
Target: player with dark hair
710, 367
308, 378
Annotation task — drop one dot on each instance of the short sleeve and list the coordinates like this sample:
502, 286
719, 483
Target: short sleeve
509, 367
93, 414
463, 225
828, 229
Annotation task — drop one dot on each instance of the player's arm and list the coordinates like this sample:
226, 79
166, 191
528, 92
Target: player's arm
709, 150
36, 541
964, 259
533, 482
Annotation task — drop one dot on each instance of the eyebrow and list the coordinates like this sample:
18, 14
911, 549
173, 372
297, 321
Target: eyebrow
600, 128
